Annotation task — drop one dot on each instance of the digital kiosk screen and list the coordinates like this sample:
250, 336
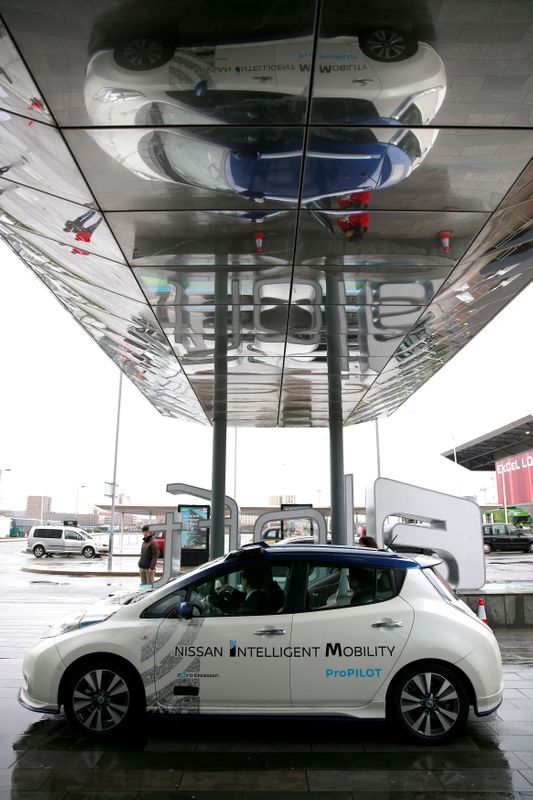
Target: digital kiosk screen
192, 517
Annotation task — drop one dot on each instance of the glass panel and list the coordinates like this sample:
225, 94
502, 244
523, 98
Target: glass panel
349, 169
460, 64
204, 238
82, 228
59, 261
196, 286
36, 155
192, 168
187, 63
385, 233
18, 91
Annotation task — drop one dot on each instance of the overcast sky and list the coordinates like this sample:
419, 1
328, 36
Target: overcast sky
58, 412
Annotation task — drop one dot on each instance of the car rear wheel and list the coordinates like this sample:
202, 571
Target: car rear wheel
530, 548
387, 44
102, 698
143, 53
89, 552
429, 702
487, 548
39, 551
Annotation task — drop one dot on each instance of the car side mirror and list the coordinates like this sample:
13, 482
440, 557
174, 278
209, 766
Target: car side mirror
185, 610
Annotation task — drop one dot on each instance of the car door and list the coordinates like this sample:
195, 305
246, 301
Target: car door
350, 648
72, 542
54, 540
222, 658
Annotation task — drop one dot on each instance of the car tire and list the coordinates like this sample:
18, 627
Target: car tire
429, 702
39, 551
530, 548
102, 698
143, 53
387, 44
89, 552
487, 548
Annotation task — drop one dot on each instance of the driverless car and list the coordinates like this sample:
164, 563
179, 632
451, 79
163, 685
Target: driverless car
148, 83
293, 630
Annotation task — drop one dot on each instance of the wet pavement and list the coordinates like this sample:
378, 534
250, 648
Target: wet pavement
42, 758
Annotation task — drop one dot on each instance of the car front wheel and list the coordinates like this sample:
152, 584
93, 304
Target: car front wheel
530, 548
102, 698
143, 53
39, 551
429, 702
487, 548
89, 552
387, 44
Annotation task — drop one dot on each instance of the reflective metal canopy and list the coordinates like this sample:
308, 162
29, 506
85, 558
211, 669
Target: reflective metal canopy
270, 194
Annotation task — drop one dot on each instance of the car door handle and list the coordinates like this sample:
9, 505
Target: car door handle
388, 623
271, 632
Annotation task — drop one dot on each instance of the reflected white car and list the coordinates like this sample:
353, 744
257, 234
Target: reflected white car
304, 629
398, 85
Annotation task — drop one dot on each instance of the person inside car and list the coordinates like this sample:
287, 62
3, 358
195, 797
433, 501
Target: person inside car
251, 600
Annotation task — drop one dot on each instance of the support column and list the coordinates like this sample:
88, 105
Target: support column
336, 352
220, 411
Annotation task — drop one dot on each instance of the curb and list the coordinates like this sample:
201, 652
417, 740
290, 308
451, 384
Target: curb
81, 574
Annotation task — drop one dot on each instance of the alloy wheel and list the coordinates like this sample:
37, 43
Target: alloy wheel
100, 700
430, 704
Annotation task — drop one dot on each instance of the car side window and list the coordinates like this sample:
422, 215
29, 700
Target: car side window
228, 594
333, 586
246, 590
167, 606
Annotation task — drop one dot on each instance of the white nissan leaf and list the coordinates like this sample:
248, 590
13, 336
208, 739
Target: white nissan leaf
294, 630
381, 78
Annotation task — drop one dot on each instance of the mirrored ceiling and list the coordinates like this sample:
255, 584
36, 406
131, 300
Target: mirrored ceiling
246, 204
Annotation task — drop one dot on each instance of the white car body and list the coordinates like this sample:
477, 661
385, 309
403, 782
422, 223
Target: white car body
277, 68
337, 660
117, 96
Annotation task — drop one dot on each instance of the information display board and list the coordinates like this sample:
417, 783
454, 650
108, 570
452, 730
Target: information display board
195, 535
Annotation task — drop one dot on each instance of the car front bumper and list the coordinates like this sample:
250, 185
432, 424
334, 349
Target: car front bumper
35, 705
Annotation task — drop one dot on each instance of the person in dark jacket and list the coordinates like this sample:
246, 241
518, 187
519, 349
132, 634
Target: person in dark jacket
252, 600
149, 556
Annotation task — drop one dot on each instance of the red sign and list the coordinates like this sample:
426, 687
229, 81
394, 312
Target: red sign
515, 475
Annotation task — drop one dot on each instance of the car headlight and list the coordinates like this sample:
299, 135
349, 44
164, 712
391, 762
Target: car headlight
74, 622
109, 95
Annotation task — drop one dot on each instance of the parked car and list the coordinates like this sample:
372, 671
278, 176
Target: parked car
353, 632
48, 540
499, 536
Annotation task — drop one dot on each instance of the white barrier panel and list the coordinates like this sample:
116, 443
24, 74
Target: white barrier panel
452, 527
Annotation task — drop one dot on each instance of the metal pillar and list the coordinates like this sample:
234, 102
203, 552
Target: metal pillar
220, 409
336, 354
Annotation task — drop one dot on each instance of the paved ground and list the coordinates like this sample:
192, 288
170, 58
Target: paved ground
43, 759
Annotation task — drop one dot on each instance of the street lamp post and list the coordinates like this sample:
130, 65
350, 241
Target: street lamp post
77, 497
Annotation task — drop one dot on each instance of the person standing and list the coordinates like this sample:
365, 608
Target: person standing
148, 557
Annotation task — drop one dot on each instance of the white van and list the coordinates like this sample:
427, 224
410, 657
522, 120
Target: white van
48, 540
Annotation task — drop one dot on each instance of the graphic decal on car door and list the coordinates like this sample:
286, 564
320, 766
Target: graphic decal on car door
162, 674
